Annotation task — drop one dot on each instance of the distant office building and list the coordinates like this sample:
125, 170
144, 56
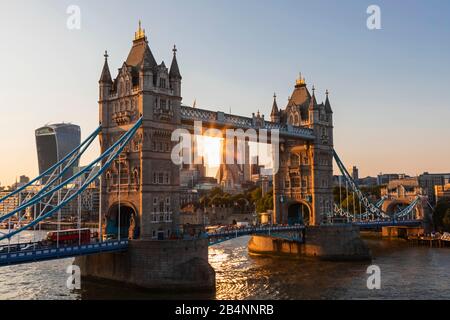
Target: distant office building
442, 192
368, 181
54, 142
385, 178
23, 180
9, 204
192, 174
255, 167
12, 202
428, 181
188, 196
355, 174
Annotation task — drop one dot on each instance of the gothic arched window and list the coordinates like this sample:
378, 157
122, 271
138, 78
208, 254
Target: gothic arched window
121, 88
136, 176
109, 181
127, 85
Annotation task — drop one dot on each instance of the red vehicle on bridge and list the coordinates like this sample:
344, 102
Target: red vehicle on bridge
72, 236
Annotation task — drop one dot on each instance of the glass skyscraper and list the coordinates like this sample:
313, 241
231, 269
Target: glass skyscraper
54, 142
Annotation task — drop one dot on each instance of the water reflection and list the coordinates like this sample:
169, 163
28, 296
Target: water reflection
406, 273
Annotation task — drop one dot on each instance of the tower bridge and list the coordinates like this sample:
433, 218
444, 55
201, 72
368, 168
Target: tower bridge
140, 184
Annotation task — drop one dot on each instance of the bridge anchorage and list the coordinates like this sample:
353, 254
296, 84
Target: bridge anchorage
138, 241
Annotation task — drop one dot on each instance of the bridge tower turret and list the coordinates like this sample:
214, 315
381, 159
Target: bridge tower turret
303, 183
174, 74
321, 155
105, 85
142, 186
275, 114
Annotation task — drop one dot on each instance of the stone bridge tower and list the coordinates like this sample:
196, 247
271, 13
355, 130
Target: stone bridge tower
142, 185
303, 184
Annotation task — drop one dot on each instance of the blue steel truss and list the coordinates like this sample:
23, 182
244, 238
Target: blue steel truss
53, 253
112, 152
275, 231
371, 209
75, 152
379, 224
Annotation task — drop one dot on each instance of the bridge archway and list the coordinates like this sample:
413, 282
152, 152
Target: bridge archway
299, 213
394, 206
129, 226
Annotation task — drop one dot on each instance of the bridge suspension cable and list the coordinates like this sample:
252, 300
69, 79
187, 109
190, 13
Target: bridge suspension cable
111, 153
70, 158
51, 192
343, 213
371, 209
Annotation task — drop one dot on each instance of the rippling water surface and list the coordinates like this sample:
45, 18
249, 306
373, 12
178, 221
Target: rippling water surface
406, 273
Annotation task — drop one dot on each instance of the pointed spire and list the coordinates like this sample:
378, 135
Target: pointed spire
300, 82
274, 106
106, 75
313, 101
140, 33
174, 70
327, 103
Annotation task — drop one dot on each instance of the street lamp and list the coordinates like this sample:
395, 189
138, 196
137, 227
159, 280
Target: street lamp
281, 207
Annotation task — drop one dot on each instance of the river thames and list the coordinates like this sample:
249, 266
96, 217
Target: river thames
406, 273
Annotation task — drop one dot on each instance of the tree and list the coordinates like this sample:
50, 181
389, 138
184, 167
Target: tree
204, 201
446, 220
215, 191
339, 194
374, 191
352, 207
265, 203
255, 195
440, 212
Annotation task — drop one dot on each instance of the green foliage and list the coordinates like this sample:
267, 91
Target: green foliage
441, 215
336, 193
446, 220
374, 191
255, 195
353, 204
264, 203
250, 200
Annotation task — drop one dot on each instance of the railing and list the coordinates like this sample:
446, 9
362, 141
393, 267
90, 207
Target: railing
222, 236
194, 114
51, 253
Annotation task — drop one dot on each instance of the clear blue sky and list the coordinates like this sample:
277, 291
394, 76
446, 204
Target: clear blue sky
389, 88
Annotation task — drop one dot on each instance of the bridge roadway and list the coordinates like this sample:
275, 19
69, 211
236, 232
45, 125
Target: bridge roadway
29, 252
34, 251
221, 236
388, 223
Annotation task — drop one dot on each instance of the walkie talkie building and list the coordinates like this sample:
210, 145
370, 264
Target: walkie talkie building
54, 142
